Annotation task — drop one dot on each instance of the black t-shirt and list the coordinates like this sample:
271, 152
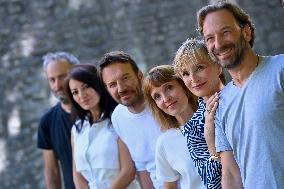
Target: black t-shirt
54, 133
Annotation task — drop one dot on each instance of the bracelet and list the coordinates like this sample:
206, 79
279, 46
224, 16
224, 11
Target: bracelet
215, 157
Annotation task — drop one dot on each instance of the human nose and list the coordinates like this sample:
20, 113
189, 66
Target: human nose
120, 86
82, 94
57, 84
166, 97
194, 78
218, 42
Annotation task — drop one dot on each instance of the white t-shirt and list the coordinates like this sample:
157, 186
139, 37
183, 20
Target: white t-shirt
139, 132
173, 162
96, 154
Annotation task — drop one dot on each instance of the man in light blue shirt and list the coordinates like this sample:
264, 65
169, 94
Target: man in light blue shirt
250, 117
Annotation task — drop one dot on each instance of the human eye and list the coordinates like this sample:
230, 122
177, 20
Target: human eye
86, 86
209, 39
74, 92
111, 85
62, 77
169, 87
156, 97
51, 80
125, 78
185, 73
226, 32
199, 67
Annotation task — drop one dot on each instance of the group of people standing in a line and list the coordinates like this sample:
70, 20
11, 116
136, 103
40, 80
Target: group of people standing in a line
180, 126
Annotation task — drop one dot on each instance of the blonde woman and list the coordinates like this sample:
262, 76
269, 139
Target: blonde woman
205, 79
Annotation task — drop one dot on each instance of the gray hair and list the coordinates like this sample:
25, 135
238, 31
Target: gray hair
70, 58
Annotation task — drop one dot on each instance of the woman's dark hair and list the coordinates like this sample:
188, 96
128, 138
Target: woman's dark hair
88, 74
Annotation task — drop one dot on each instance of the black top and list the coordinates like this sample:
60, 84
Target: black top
54, 133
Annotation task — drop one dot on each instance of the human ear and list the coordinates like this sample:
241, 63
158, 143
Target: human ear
140, 76
246, 30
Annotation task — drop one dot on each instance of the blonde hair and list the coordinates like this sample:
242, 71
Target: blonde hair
155, 78
189, 52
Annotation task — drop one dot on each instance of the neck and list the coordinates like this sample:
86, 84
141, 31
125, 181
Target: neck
137, 107
66, 107
185, 115
242, 72
95, 115
217, 89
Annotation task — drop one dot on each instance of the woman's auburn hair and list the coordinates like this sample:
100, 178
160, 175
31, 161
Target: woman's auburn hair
155, 78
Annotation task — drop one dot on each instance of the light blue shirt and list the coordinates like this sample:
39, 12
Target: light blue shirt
250, 121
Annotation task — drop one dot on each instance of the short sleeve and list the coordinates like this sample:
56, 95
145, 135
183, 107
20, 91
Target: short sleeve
115, 125
164, 170
43, 139
140, 166
221, 141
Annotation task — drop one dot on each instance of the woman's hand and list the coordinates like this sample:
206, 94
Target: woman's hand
209, 128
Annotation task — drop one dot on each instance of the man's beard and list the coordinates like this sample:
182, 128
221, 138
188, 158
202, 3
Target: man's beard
137, 98
62, 98
240, 46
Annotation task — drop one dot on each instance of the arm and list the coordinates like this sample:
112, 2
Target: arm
51, 170
145, 180
79, 181
231, 176
127, 168
209, 127
170, 185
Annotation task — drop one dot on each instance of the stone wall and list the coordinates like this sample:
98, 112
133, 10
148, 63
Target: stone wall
150, 31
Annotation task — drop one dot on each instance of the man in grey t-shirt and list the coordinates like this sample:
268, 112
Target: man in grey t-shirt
250, 117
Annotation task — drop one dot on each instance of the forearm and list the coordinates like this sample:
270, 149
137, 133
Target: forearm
231, 176
52, 179
79, 181
124, 178
145, 180
229, 181
51, 170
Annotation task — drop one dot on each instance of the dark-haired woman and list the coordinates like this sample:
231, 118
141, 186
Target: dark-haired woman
100, 158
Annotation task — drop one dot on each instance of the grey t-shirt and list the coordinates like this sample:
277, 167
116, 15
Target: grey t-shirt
250, 121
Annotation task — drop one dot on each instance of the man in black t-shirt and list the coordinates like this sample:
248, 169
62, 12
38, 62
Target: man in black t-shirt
55, 126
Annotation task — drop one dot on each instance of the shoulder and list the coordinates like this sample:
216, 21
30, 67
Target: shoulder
276, 61
119, 110
55, 111
49, 115
166, 136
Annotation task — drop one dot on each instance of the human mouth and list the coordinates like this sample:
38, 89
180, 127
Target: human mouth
224, 53
85, 102
170, 106
199, 86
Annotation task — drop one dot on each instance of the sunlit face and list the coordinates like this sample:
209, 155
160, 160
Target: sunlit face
56, 72
171, 98
202, 78
84, 95
123, 84
225, 39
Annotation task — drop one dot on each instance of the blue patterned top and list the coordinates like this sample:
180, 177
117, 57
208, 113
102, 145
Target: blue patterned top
208, 169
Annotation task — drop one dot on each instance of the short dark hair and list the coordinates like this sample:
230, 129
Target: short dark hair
117, 57
88, 74
240, 15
